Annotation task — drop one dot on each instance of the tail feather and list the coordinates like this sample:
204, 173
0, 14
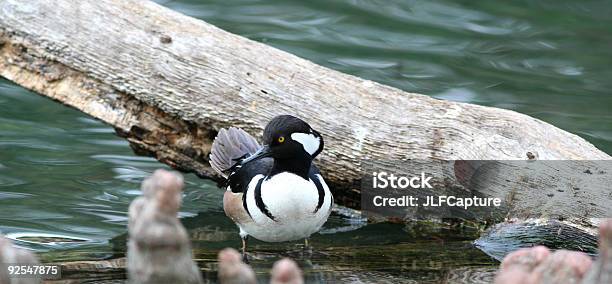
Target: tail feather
229, 146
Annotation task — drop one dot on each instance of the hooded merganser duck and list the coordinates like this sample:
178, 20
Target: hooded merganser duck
274, 192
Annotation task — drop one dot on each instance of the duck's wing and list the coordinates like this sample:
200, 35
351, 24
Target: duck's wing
240, 176
228, 149
230, 146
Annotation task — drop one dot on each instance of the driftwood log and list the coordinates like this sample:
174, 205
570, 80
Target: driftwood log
168, 82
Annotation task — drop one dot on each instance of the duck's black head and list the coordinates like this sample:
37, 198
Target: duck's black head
287, 137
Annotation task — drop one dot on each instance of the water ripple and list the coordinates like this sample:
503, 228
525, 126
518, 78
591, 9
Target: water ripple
9, 181
13, 195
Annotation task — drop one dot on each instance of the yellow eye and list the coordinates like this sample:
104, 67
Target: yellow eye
281, 139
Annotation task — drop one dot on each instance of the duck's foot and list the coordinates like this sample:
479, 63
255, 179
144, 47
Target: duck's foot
245, 257
306, 245
307, 249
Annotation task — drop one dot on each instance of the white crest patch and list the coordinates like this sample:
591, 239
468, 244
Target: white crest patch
309, 141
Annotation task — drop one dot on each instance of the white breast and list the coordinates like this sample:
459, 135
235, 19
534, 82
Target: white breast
292, 201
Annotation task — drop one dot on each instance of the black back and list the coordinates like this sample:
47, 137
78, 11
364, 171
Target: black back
240, 176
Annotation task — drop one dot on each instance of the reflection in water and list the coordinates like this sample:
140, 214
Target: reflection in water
66, 175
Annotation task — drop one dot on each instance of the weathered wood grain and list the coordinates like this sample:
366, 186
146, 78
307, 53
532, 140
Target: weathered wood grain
168, 82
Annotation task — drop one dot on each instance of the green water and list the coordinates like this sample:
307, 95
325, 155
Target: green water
64, 174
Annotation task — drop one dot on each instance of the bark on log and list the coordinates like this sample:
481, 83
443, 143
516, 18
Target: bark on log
168, 82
